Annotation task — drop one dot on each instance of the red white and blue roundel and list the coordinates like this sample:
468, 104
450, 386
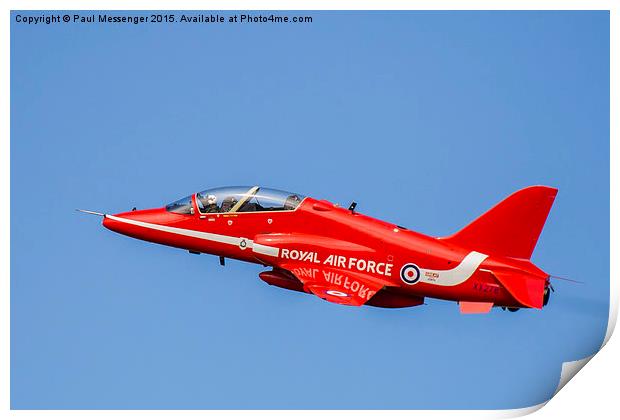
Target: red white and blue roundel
410, 273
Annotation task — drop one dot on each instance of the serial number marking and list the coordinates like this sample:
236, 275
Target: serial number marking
486, 288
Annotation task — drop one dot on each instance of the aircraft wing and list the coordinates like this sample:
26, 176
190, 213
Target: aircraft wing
336, 285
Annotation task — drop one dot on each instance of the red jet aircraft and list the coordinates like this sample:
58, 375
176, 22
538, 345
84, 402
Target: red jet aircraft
345, 257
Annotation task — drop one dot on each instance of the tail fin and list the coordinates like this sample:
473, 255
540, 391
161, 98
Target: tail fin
512, 227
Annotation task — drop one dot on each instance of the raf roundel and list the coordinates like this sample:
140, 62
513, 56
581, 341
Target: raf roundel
337, 293
410, 273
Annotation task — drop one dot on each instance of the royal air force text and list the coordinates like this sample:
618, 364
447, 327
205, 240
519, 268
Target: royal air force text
339, 261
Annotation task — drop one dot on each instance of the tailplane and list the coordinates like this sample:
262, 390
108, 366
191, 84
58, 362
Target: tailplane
512, 227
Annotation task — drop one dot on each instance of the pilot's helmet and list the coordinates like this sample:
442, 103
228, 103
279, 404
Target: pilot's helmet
211, 199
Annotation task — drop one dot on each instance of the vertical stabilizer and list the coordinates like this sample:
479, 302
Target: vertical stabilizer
512, 227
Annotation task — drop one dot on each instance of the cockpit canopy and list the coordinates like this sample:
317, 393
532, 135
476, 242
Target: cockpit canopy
237, 200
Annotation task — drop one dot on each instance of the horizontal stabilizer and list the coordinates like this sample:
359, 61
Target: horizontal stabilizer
527, 290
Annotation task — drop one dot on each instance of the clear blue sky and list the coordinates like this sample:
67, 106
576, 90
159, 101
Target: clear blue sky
425, 119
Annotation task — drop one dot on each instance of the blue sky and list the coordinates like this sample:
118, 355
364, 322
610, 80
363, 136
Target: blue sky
426, 119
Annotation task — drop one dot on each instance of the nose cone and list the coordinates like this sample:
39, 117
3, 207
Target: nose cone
108, 223
138, 222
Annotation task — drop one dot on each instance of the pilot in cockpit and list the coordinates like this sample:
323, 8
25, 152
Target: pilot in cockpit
228, 203
211, 206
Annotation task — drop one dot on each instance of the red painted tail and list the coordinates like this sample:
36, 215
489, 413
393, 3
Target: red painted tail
512, 227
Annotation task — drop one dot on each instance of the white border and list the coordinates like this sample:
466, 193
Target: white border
595, 398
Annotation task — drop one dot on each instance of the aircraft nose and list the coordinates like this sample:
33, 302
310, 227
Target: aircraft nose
113, 223
133, 223
107, 222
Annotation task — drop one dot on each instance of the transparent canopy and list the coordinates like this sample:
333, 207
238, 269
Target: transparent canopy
181, 206
238, 200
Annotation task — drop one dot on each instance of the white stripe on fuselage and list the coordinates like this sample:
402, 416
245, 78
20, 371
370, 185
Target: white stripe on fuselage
452, 277
456, 275
272, 251
214, 237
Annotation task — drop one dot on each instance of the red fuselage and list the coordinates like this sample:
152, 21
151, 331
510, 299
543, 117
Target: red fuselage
318, 236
